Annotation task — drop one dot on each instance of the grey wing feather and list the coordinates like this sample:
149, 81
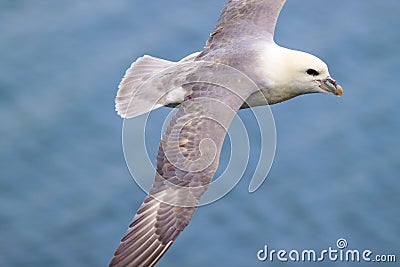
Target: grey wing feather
189, 151
245, 18
180, 179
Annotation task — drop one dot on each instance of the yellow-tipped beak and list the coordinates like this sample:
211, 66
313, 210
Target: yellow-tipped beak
339, 91
329, 85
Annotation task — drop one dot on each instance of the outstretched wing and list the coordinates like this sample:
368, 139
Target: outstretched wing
187, 160
242, 19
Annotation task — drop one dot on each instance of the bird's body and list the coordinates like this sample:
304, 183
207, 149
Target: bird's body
242, 40
285, 80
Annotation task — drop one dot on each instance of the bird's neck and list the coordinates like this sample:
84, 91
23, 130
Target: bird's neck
275, 64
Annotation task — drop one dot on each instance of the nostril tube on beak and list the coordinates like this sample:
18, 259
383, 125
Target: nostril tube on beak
331, 81
330, 85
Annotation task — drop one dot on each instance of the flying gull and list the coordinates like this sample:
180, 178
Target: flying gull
242, 40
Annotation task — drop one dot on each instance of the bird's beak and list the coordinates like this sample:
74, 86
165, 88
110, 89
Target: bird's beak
329, 85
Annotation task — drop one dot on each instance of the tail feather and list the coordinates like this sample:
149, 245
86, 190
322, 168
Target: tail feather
139, 72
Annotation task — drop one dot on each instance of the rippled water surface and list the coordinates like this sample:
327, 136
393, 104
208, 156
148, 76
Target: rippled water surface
66, 195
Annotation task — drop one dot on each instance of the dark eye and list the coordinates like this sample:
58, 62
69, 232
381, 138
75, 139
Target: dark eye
312, 72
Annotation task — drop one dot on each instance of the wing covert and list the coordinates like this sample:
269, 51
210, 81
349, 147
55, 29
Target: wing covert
186, 162
241, 19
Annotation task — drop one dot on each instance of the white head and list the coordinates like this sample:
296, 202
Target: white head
292, 73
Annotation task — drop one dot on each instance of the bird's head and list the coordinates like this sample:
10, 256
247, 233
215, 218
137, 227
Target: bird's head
297, 73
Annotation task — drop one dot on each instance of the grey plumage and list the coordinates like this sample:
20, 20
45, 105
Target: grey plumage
244, 19
176, 191
156, 225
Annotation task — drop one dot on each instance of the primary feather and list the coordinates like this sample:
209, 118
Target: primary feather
242, 40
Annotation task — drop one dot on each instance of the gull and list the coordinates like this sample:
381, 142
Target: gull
242, 41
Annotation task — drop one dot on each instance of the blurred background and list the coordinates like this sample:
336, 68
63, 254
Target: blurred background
66, 195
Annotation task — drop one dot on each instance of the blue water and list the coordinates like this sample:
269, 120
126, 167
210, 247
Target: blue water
66, 196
